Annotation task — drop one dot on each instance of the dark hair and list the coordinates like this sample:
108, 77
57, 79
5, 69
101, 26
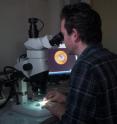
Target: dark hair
85, 20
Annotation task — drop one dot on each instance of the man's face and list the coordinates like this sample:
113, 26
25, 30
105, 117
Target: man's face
68, 39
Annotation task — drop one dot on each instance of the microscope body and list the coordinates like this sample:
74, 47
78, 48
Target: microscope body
34, 65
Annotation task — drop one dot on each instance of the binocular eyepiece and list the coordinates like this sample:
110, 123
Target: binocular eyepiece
33, 28
34, 32
57, 39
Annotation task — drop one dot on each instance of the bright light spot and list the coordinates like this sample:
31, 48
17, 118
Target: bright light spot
42, 103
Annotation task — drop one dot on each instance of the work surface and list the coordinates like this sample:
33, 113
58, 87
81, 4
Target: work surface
18, 114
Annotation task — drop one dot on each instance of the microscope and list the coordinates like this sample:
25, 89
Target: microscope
34, 64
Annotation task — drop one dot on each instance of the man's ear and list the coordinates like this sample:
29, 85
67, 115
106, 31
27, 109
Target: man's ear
75, 35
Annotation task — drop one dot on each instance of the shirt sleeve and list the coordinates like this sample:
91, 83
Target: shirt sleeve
81, 103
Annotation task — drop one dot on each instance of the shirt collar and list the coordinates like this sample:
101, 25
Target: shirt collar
90, 49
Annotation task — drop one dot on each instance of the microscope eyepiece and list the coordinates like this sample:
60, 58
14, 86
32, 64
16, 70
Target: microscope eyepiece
57, 39
33, 31
33, 20
33, 28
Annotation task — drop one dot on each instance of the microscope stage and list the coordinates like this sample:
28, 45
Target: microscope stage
32, 109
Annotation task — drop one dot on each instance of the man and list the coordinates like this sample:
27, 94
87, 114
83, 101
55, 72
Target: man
92, 97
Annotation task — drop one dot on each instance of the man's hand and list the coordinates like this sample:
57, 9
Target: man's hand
55, 108
55, 96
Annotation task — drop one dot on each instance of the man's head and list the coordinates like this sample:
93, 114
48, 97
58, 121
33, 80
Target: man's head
84, 21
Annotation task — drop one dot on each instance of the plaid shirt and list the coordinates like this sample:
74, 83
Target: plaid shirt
93, 89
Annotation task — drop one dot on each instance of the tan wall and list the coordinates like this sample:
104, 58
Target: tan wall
14, 25
14, 16
107, 10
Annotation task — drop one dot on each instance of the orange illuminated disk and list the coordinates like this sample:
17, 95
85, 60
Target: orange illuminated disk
60, 57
